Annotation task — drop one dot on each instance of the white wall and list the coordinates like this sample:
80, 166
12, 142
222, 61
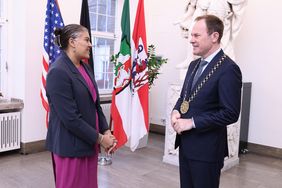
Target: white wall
16, 49
257, 50
259, 53
165, 35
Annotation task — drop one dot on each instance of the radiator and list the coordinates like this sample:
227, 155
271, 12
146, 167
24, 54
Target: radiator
107, 111
10, 131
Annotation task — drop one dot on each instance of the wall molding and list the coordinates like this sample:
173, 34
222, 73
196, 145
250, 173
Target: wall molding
251, 147
32, 147
265, 150
159, 129
39, 146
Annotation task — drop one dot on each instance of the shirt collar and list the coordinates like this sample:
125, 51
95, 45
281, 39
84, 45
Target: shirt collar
210, 57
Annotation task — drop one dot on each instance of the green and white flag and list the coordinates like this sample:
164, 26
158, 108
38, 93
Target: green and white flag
121, 97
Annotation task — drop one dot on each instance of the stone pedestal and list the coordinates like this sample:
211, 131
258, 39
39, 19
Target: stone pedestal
171, 155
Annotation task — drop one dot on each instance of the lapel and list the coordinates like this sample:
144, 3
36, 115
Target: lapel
207, 69
91, 75
77, 74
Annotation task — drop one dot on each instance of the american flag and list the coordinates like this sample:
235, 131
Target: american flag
53, 20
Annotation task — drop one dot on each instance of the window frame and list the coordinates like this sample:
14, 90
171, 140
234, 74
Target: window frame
107, 35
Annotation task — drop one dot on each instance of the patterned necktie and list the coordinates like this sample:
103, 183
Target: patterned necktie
202, 64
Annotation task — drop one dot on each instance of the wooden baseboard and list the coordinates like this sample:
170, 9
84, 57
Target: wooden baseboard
159, 129
38, 146
32, 147
265, 150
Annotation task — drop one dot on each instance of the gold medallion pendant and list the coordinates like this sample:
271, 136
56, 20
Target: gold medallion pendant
184, 107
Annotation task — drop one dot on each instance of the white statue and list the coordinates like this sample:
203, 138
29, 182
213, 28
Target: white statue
229, 11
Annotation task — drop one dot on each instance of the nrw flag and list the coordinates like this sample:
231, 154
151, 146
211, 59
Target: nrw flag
121, 97
140, 85
53, 20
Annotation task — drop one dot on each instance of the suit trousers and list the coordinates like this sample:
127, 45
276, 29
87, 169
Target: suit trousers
198, 174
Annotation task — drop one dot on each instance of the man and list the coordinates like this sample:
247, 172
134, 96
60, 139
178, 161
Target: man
206, 106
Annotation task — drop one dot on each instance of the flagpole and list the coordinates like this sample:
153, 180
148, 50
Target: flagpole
106, 159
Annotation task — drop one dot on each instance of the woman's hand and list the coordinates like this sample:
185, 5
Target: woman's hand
108, 142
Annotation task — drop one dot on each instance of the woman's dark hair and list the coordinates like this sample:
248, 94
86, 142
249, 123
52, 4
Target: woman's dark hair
62, 35
214, 24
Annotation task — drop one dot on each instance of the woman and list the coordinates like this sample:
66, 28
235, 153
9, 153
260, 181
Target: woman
77, 124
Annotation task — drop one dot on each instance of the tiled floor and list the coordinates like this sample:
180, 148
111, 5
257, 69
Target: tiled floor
142, 169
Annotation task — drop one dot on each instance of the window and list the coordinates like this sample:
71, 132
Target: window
102, 19
3, 45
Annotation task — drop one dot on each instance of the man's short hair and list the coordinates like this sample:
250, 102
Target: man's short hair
213, 23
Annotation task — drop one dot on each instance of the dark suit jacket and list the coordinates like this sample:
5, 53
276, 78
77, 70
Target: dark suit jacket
72, 121
216, 106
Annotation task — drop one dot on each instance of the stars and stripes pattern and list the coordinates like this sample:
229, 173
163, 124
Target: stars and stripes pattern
53, 20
